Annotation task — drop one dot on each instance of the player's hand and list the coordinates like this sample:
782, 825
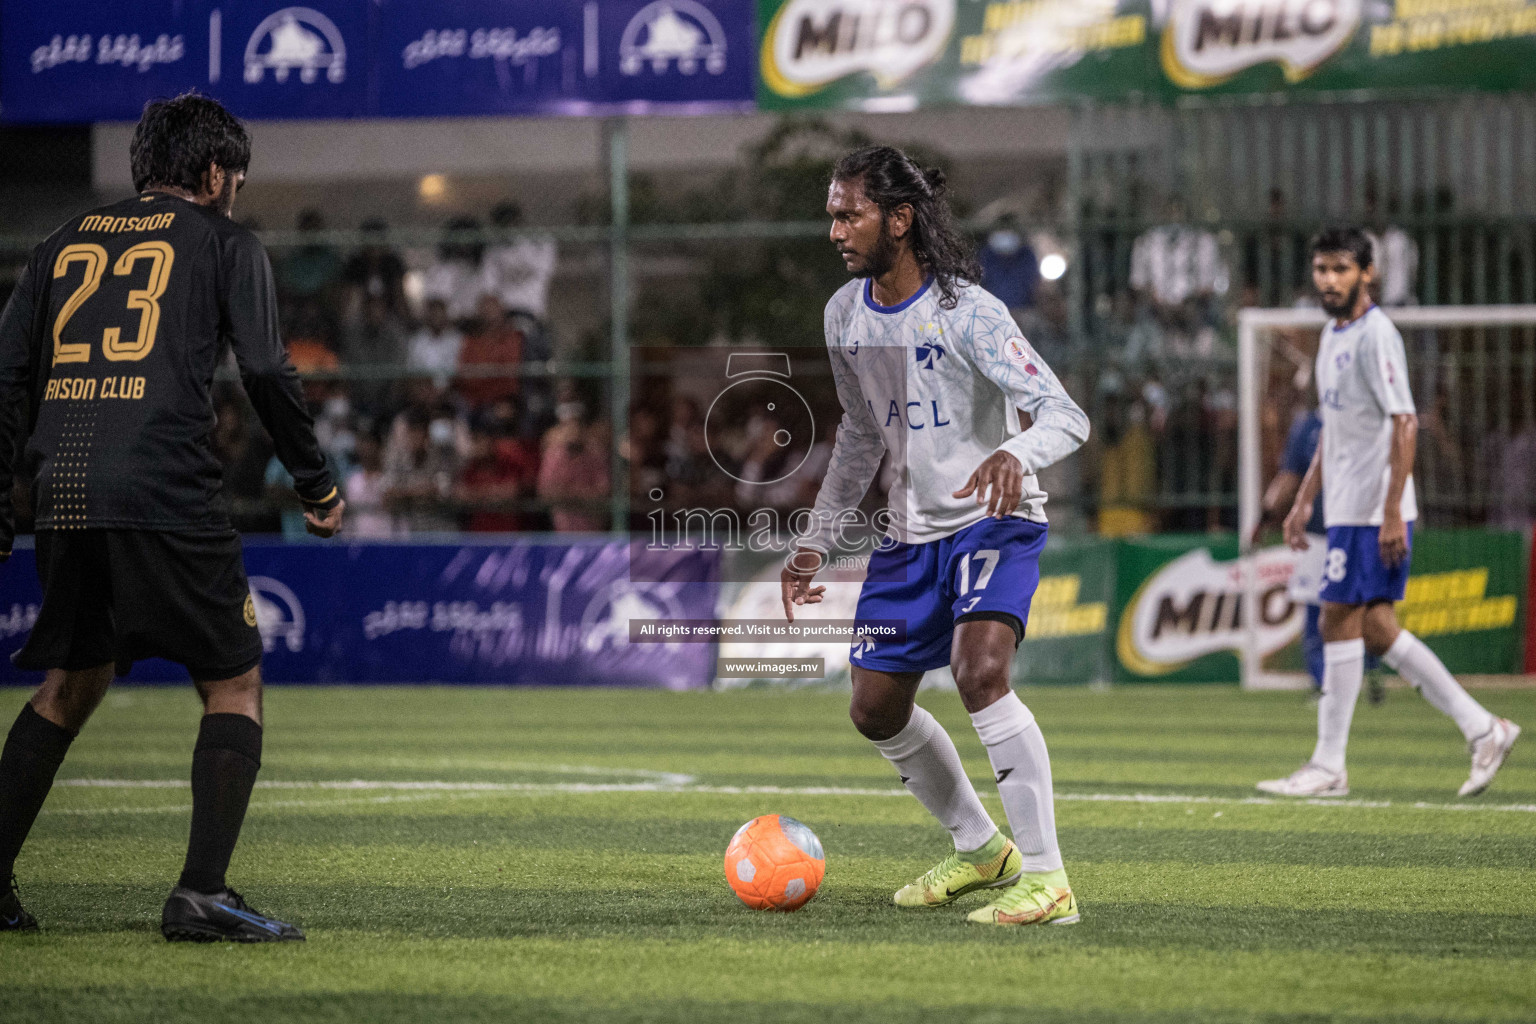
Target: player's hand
795, 581
324, 524
1393, 539
997, 483
1296, 527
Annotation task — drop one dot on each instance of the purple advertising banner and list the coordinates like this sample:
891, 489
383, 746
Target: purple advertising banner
88, 60
509, 614
83, 60
482, 56
524, 56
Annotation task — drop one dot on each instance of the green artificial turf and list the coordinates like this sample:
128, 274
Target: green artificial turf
566, 866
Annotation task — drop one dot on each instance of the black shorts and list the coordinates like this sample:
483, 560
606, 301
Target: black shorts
122, 595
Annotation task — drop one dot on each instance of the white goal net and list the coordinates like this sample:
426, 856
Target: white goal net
1473, 374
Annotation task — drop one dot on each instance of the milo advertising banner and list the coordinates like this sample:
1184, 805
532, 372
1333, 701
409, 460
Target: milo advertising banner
1070, 617
1182, 612
1176, 609
898, 54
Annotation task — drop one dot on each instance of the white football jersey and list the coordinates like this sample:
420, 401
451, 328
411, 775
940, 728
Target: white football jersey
1362, 382
941, 390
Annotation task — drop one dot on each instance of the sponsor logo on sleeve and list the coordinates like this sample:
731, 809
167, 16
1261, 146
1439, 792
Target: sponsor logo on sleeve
1018, 351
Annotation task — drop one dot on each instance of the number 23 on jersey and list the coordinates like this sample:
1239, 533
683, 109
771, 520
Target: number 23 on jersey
146, 300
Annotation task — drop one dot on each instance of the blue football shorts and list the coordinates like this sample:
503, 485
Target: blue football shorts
1353, 572
989, 570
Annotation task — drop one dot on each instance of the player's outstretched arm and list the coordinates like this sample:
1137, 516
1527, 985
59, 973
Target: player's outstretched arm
249, 308
17, 368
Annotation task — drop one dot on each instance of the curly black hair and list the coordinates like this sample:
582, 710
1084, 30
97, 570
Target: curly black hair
177, 139
890, 179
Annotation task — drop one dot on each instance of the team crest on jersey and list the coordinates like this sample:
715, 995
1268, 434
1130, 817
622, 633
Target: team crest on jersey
1343, 359
928, 353
1017, 351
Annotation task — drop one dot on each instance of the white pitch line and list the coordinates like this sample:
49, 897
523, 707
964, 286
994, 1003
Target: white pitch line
660, 779
543, 788
257, 805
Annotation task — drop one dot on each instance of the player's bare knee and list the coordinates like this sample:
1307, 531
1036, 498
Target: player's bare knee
1342, 622
981, 676
69, 698
1380, 629
240, 695
878, 720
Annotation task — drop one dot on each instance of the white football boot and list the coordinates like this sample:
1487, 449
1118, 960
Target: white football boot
1488, 753
1308, 780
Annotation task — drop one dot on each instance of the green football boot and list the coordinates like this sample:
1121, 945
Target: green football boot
954, 876
1034, 899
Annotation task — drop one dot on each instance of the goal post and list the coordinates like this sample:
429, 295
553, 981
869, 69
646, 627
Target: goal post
1472, 367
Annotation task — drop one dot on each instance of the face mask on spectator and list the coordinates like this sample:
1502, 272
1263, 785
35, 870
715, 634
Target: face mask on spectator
570, 412
440, 432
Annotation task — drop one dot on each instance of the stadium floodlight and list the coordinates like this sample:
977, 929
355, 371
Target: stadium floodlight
1473, 368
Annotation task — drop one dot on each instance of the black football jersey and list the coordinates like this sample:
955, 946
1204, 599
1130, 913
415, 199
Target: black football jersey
108, 349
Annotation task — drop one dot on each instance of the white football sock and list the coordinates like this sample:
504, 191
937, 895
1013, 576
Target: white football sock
1023, 770
1415, 662
930, 768
1343, 671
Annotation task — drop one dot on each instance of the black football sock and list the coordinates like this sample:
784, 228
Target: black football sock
224, 767
33, 752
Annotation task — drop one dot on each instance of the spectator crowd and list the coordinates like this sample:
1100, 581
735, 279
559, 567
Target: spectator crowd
430, 388
431, 380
